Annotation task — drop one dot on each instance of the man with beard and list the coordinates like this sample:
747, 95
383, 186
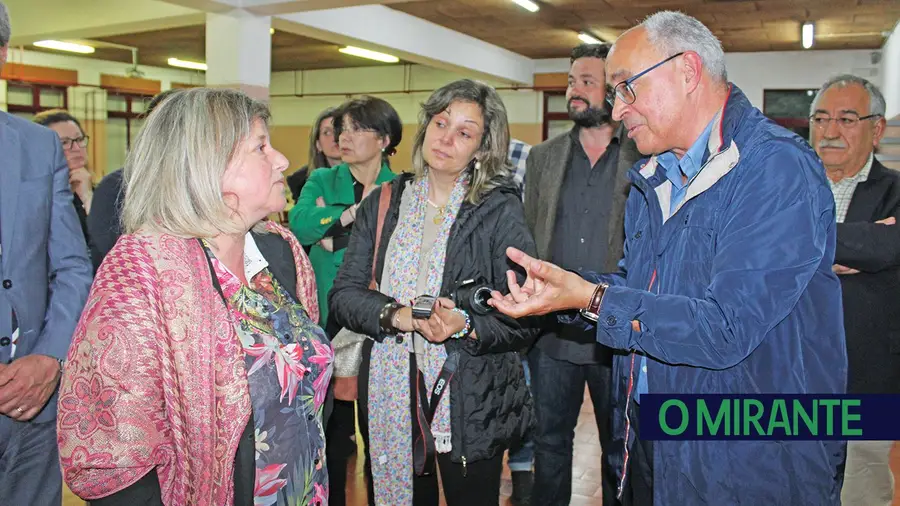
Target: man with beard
575, 196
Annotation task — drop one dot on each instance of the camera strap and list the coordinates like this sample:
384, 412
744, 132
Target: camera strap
424, 409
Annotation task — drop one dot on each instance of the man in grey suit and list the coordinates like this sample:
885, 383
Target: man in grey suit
46, 275
575, 206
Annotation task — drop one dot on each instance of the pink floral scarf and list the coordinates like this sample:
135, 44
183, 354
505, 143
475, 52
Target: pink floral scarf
155, 376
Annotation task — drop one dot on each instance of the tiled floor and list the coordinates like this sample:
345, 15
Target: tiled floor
586, 468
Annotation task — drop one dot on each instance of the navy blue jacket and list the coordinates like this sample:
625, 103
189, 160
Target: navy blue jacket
735, 294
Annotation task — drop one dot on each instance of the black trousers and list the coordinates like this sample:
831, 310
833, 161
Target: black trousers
558, 390
479, 487
638, 490
341, 427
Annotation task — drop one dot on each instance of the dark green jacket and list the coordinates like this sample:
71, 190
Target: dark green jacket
310, 223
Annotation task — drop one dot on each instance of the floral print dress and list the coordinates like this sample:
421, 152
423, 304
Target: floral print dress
289, 362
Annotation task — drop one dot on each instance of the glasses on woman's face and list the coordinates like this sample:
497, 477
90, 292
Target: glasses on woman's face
624, 92
69, 144
354, 131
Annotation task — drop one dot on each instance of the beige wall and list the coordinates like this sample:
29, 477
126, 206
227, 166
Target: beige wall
296, 100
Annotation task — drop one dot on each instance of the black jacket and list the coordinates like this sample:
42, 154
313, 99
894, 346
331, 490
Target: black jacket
872, 297
297, 181
105, 221
490, 405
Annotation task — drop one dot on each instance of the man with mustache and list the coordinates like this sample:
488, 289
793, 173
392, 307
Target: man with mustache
574, 205
726, 286
846, 123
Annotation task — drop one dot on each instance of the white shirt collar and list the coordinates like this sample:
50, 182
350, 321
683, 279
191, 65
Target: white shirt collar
254, 261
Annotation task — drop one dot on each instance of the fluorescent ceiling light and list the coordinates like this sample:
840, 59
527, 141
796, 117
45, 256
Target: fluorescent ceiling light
588, 39
372, 55
808, 35
64, 46
527, 4
175, 62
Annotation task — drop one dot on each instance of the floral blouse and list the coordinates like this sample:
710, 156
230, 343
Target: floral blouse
289, 362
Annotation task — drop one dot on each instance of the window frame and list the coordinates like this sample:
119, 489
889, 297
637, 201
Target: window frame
36, 89
128, 114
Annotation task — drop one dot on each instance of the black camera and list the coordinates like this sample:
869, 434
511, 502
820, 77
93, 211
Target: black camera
472, 296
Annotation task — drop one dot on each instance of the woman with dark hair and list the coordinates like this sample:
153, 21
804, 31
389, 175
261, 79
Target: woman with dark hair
74, 143
368, 131
323, 151
443, 383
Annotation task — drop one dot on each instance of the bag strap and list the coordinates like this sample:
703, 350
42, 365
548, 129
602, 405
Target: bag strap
423, 411
384, 202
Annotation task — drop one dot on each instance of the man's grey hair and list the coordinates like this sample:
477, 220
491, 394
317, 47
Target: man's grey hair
673, 32
5, 28
876, 99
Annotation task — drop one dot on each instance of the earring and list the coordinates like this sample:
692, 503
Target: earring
477, 165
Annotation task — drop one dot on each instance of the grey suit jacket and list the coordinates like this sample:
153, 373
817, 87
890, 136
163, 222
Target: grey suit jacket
546, 167
44, 261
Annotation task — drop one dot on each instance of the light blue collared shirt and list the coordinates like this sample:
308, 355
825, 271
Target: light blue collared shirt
689, 166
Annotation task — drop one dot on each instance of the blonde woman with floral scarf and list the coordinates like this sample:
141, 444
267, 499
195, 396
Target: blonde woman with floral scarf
197, 372
446, 393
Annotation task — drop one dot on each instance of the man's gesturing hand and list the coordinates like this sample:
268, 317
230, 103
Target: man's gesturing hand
547, 289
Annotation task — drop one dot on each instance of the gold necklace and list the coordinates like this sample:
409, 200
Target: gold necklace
439, 217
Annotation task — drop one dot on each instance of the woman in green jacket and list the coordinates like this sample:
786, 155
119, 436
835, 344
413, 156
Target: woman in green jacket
368, 131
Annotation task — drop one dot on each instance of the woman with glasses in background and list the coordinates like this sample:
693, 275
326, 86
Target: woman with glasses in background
74, 143
323, 151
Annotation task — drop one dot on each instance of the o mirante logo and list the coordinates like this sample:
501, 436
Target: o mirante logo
769, 417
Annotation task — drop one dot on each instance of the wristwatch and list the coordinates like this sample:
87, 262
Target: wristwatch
592, 311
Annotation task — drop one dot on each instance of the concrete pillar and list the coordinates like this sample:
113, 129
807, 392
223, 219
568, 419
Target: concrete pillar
890, 73
239, 52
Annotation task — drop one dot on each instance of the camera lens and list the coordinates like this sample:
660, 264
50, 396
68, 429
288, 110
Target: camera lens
480, 299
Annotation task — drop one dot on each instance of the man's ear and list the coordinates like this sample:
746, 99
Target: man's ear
4, 51
692, 69
880, 129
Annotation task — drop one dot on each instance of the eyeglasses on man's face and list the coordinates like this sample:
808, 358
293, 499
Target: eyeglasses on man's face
624, 92
847, 120
70, 143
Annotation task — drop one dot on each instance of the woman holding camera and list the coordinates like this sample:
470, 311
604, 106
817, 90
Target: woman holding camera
444, 226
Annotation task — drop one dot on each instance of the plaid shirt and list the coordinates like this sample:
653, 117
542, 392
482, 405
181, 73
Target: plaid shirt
518, 153
843, 190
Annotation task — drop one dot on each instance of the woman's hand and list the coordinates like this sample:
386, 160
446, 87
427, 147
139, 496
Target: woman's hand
326, 243
444, 322
82, 185
349, 215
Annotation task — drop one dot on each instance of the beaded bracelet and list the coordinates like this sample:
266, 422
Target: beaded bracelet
467, 329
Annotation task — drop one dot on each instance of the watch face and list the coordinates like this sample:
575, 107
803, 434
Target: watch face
423, 307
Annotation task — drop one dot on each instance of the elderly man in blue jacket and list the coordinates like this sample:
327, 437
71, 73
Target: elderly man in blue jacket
46, 276
726, 285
